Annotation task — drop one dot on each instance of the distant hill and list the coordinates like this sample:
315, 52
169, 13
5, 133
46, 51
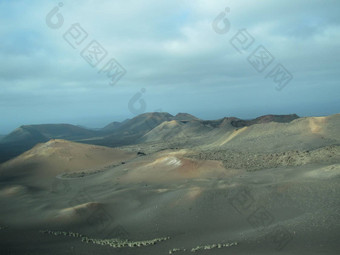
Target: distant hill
113, 126
186, 126
47, 131
25, 134
144, 122
265, 119
147, 127
299, 134
177, 130
184, 116
129, 131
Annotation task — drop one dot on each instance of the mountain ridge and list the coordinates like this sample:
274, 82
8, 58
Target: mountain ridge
129, 131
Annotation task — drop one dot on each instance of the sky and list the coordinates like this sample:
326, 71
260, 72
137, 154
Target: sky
93, 62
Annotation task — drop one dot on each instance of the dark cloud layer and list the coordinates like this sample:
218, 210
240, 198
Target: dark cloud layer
170, 49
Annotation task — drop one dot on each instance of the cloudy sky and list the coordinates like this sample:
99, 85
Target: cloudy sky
198, 56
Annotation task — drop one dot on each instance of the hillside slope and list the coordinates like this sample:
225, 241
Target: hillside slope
57, 156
